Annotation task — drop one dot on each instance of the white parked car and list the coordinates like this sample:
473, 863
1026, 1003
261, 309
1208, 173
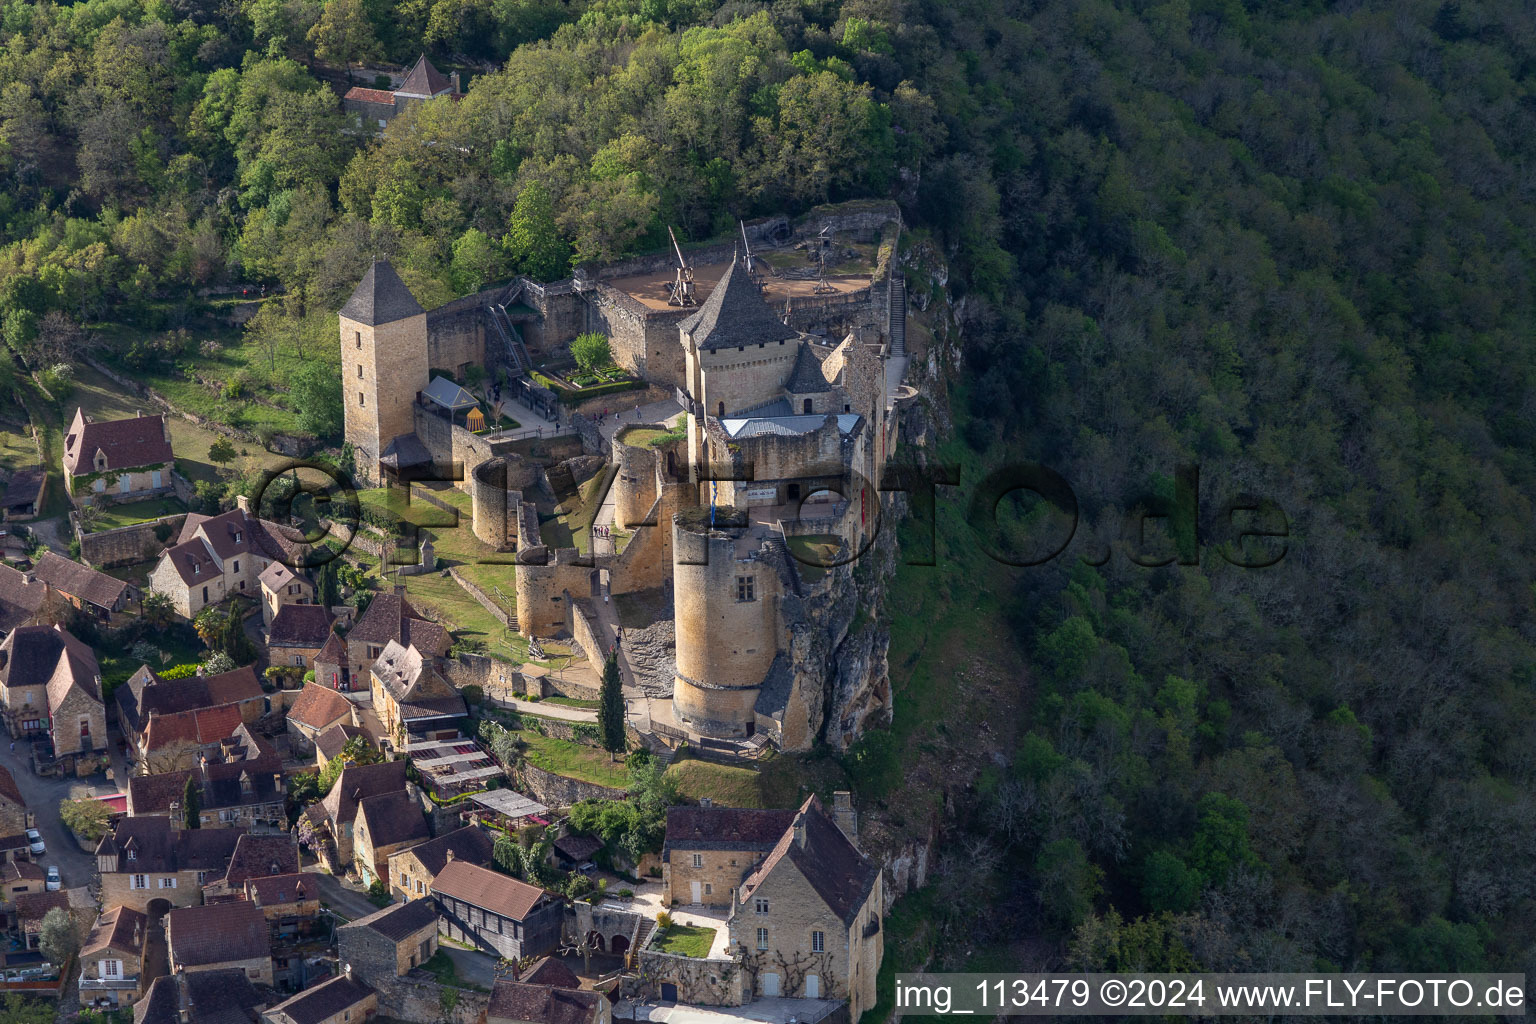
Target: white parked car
36, 839
54, 882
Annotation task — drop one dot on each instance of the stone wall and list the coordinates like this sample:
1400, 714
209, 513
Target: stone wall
481, 596
557, 790
699, 981
585, 632
420, 997
126, 544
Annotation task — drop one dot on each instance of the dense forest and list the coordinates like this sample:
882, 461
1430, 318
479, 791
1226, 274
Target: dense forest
1288, 243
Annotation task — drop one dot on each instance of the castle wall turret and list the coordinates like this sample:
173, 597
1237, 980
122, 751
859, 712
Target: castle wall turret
726, 619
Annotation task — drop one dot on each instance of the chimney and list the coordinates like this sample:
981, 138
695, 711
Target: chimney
799, 828
453, 80
706, 802
138, 927
183, 1003
243, 504
29, 577
844, 816
277, 782
449, 855
346, 971
399, 589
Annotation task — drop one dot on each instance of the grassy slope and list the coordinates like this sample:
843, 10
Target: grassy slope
564, 757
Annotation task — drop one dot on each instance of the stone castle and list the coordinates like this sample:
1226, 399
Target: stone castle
745, 477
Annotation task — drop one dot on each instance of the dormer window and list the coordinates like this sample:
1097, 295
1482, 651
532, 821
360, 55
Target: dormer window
132, 855
197, 570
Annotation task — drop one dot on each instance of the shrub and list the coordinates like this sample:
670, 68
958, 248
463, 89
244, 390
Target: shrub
663, 920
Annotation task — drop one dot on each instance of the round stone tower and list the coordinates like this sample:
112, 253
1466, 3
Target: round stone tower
634, 487
492, 485
725, 617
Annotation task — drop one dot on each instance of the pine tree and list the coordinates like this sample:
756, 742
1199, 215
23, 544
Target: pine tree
610, 711
192, 803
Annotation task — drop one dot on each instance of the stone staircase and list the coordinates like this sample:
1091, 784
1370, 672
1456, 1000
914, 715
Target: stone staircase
898, 315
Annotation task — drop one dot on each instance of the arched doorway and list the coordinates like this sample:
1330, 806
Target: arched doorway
668, 992
158, 907
722, 409
620, 945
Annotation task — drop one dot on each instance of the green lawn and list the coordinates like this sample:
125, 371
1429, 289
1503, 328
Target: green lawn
574, 760
686, 940
813, 553
177, 647
726, 785
129, 513
573, 525
16, 448
642, 437
573, 702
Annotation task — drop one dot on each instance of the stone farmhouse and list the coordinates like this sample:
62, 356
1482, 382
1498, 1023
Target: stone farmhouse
373, 109
386, 823
217, 557
243, 791
117, 460
51, 686
336, 814
389, 618
280, 585
338, 1000
778, 463
296, 635
146, 696
388, 943
96, 594
411, 698
709, 850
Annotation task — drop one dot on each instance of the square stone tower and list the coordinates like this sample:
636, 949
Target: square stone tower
383, 364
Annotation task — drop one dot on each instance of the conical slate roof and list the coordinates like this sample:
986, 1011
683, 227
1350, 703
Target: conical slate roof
806, 378
735, 314
424, 80
380, 298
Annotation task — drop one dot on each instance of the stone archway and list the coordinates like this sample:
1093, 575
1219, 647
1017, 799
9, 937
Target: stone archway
619, 945
668, 992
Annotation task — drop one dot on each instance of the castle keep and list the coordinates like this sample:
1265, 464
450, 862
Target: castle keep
738, 499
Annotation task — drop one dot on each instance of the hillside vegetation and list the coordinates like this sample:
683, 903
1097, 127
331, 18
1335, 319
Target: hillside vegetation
1289, 244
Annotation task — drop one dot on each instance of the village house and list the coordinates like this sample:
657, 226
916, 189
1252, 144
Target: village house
502, 915
244, 785
331, 663
218, 997
14, 816
120, 460
220, 936
411, 698
389, 617
391, 942
535, 1000
370, 110
708, 850
19, 877
31, 908
222, 556
386, 823
145, 695
290, 903
338, 1000
22, 596
184, 739
112, 957
51, 686
257, 855
280, 585
24, 493
807, 920
101, 597
411, 871
331, 743
317, 709
142, 860
297, 634
336, 813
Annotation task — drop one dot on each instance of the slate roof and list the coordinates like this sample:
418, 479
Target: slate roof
217, 933
19, 600
380, 297
24, 487
449, 395
841, 875
487, 890
724, 828
549, 971
577, 848
159, 848
519, 1001
424, 80
120, 928
300, 625
806, 377
321, 1002
221, 787
752, 426
399, 921
470, 844
319, 707
735, 314
418, 691
392, 818
81, 581
405, 450
266, 890
333, 740
257, 856
127, 443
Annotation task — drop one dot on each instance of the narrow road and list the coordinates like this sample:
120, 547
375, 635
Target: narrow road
76, 867
347, 903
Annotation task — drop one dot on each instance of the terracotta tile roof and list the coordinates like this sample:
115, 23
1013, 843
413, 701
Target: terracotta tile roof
577, 848
358, 94
487, 890
129, 443
841, 875
193, 561
83, 582
33, 655
8, 788
120, 928
200, 727
519, 1001
392, 818
212, 997
380, 297
146, 694
322, 1002
300, 625
735, 314
289, 888
724, 828
399, 921
15, 870
276, 576
256, 856
319, 707
218, 933
470, 844
31, 906
335, 650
